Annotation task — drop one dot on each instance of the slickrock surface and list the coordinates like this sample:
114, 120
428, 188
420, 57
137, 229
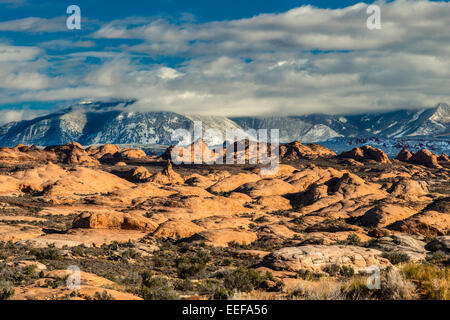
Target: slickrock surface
317, 212
316, 257
366, 153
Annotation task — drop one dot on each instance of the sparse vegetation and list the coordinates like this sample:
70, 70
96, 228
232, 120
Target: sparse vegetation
396, 257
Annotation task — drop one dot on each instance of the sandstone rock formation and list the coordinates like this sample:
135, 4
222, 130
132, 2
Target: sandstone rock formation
89, 220
167, 176
404, 244
177, 229
384, 215
296, 150
73, 153
317, 257
405, 188
422, 157
224, 237
434, 220
404, 155
232, 183
366, 153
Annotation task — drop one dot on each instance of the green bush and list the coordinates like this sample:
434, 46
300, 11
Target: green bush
353, 239
308, 275
103, 296
156, 288
49, 253
6, 290
337, 270
244, 280
223, 294
396, 257
188, 267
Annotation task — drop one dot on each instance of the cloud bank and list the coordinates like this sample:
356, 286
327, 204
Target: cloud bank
301, 61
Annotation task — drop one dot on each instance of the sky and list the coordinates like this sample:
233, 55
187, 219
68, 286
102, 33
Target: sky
230, 58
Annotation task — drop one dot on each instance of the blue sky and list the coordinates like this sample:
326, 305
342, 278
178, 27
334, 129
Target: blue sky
224, 57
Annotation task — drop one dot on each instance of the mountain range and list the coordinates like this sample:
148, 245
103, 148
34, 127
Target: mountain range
115, 121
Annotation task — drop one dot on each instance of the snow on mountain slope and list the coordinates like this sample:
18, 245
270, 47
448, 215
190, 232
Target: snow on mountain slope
94, 122
114, 121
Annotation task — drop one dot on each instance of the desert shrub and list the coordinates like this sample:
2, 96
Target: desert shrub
433, 281
222, 294
243, 280
395, 287
396, 257
278, 287
207, 287
103, 296
55, 283
353, 239
439, 257
337, 270
156, 288
261, 219
188, 267
325, 290
346, 271
18, 276
357, 289
281, 213
6, 290
308, 275
184, 285
79, 250
49, 253
130, 254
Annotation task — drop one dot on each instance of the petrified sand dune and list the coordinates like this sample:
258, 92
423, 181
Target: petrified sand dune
313, 214
443, 157
434, 220
55, 181
426, 158
404, 155
385, 214
422, 157
233, 182
273, 203
138, 174
316, 257
266, 187
89, 220
296, 150
197, 152
223, 237
408, 189
198, 180
305, 178
404, 244
86, 181
74, 154
167, 176
177, 229
366, 153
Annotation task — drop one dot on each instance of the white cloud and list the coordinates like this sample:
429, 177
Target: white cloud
66, 44
261, 65
35, 25
17, 53
12, 115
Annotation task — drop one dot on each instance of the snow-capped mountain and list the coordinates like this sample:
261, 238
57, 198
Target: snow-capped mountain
114, 121
320, 127
291, 128
93, 122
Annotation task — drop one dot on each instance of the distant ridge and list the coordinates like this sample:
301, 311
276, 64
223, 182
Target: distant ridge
99, 122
